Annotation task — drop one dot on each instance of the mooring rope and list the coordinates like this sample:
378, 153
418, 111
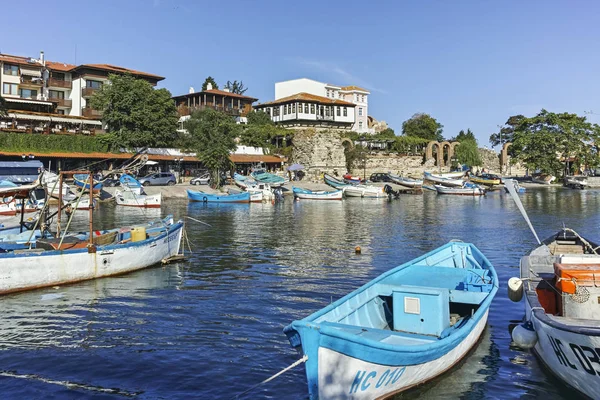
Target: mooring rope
295, 364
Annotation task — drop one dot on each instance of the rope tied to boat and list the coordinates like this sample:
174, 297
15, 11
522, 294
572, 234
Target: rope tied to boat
585, 242
289, 367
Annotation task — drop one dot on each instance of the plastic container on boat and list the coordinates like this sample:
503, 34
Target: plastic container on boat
138, 234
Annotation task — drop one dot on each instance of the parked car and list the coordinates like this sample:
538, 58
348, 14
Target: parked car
380, 177
201, 180
160, 178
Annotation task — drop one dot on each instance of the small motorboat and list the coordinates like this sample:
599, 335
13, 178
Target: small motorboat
576, 182
263, 176
367, 191
334, 182
543, 179
243, 197
467, 189
441, 180
83, 182
518, 188
485, 179
400, 330
407, 182
353, 180
133, 194
306, 194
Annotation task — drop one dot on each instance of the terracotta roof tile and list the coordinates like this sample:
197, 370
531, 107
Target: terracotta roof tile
309, 98
58, 66
217, 92
121, 70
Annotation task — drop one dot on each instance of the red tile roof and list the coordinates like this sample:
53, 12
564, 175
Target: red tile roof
58, 66
18, 60
120, 70
217, 92
309, 98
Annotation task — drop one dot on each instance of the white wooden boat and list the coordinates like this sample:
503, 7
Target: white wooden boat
442, 180
77, 260
407, 182
560, 281
400, 330
576, 182
129, 198
543, 179
468, 189
259, 191
364, 191
9, 208
449, 175
317, 195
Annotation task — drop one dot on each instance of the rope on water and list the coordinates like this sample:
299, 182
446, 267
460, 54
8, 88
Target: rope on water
295, 364
197, 220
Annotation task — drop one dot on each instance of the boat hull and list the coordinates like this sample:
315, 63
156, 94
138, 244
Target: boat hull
572, 357
317, 196
363, 191
344, 377
243, 197
132, 199
443, 181
459, 191
37, 269
406, 182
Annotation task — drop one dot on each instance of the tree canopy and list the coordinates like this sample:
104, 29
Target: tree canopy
546, 141
424, 126
261, 130
467, 152
236, 87
136, 114
506, 131
210, 80
212, 136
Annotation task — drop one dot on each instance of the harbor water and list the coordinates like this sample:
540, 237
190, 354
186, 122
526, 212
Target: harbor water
211, 327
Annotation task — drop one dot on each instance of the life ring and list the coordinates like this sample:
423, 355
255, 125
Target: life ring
205, 199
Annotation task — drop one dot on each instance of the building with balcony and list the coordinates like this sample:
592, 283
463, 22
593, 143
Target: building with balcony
39, 93
236, 105
306, 109
350, 94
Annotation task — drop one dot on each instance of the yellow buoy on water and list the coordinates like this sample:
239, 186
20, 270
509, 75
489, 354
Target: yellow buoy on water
357, 250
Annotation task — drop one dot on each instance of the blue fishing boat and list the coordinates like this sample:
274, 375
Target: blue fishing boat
400, 330
83, 181
306, 194
263, 176
243, 197
334, 182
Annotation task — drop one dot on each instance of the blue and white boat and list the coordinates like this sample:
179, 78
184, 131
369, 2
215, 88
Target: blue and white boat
307, 194
400, 330
83, 182
260, 175
334, 182
196, 195
407, 182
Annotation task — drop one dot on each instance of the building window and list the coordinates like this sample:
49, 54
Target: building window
312, 108
11, 70
61, 112
56, 94
10, 88
59, 76
345, 111
28, 93
337, 109
360, 111
293, 108
93, 84
305, 108
360, 126
327, 111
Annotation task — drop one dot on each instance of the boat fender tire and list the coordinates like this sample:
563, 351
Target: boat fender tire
205, 199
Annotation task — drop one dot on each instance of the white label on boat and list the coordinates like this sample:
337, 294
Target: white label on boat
412, 305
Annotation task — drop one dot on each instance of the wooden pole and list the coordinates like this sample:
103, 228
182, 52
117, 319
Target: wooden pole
60, 191
91, 209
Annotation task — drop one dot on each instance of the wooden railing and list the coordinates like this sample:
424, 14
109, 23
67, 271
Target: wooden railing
61, 102
89, 112
61, 83
88, 91
30, 80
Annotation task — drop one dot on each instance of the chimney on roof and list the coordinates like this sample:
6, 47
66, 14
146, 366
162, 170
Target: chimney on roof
225, 89
42, 58
192, 90
209, 86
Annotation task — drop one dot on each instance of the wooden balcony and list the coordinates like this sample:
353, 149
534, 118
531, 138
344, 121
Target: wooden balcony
61, 102
31, 81
88, 92
89, 112
60, 83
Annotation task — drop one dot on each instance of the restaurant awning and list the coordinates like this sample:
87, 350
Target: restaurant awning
76, 121
253, 158
11, 100
28, 117
31, 72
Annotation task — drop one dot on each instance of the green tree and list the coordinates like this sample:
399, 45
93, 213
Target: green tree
387, 133
410, 144
261, 130
212, 136
467, 153
545, 141
506, 131
136, 114
210, 80
462, 135
423, 126
3, 110
236, 87
355, 157
259, 118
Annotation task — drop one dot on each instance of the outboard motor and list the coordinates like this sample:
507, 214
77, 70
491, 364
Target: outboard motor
392, 194
278, 192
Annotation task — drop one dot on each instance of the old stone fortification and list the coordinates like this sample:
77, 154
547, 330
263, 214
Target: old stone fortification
319, 150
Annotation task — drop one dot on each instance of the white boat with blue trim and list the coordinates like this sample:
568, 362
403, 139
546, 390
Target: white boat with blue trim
400, 330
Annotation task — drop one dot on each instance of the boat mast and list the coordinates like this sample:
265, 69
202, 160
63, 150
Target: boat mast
60, 194
91, 210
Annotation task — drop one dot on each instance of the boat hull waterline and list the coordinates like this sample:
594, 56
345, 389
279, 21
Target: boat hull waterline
36, 269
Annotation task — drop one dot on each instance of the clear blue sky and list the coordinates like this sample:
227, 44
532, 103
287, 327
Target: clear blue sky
470, 64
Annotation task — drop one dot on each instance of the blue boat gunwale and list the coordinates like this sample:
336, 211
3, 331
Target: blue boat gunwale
173, 227
194, 195
330, 336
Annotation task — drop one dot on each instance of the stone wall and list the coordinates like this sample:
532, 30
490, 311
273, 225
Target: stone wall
318, 150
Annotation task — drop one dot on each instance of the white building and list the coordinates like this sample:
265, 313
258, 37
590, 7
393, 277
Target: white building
352, 94
305, 109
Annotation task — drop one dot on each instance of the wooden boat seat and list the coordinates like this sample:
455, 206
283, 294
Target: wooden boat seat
383, 335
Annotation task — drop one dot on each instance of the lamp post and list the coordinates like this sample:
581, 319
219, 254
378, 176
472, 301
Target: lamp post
179, 161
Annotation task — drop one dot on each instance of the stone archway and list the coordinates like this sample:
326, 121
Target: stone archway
350, 143
429, 150
442, 147
504, 156
445, 146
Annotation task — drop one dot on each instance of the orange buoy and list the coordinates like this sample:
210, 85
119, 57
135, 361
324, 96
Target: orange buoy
357, 250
